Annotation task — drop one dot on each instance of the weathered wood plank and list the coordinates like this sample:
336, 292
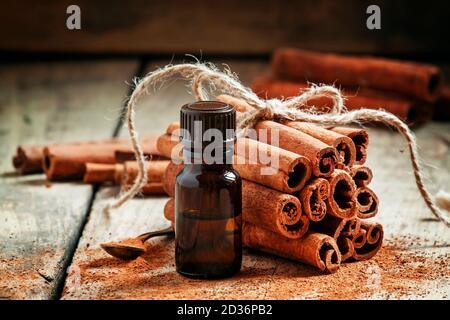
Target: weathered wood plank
417, 269
224, 27
45, 103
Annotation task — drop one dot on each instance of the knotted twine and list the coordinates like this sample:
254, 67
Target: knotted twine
206, 78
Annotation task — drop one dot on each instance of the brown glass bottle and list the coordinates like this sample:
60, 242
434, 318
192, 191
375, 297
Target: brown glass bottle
208, 220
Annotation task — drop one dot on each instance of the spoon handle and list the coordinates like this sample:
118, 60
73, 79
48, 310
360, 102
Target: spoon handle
164, 232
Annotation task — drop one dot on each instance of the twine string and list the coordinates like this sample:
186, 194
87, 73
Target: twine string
206, 78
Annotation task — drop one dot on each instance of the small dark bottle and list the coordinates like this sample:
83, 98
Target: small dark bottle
208, 220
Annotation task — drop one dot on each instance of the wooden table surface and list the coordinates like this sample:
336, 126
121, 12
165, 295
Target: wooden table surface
49, 236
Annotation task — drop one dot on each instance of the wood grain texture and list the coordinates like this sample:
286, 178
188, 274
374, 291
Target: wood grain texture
95, 275
40, 226
251, 27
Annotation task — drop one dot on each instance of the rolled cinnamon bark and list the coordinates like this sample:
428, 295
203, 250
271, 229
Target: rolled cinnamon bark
342, 203
403, 107
343, 144
346, 248
336, 227
270, 209
170, 147
275, 211
374, 240
359, 240
28, 159
169, 177
155, 172
316, 249
323, 157
413, 79
102, 172
272, 166
360, 138
361, 175
313, 198
169, 210
366, 203
68, 161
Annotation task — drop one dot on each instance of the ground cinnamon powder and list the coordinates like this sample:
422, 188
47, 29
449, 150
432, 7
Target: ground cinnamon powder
395, 272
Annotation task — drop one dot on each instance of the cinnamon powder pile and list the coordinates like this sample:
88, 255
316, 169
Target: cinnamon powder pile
395, 272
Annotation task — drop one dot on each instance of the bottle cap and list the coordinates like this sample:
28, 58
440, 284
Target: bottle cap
198, 118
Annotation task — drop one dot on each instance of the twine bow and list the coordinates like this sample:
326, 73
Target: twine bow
206, 78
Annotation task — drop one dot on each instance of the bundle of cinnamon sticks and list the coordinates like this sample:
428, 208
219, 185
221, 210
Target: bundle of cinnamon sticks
314, 204
409, 90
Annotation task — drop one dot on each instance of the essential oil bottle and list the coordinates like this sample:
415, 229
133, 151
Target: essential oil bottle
208, 220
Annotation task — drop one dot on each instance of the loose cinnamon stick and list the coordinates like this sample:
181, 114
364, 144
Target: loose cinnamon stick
273, 167
28, 159
102, 172
323, 157
270, 209
360, 138
374, 239
316, 249
343, 144
67, 161
342, 203
413, 79
403, 107
155, 172
313, 198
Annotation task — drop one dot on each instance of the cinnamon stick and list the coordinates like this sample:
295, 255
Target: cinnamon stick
360, 138
155, 172
313, 198
103, 172
28, 159
346, 248
403, 107
421, 81
273, 167
270, 209
373, 241
67, 161
343, 144
169, 146
336, 227
342, 203
316, 249
323, 157
366, 203
366, 199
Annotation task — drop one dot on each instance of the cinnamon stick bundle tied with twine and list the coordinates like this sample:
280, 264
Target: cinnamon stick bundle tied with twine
205, 77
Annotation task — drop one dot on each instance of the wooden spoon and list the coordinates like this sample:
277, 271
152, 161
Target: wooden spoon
132, 248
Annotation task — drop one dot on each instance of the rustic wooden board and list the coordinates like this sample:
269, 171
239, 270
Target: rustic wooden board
40, 226
224, 27
413, 263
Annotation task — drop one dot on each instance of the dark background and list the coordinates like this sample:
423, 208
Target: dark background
410, 29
